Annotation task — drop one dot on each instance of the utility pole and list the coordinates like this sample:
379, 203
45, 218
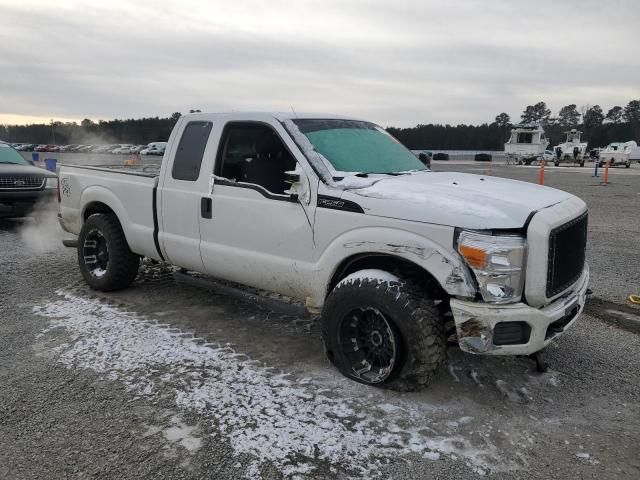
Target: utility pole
53, 131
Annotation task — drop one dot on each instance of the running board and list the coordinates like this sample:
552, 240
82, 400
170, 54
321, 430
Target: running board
71, 243
214, 285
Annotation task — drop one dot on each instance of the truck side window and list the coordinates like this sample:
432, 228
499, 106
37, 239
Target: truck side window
186, 164
254, 153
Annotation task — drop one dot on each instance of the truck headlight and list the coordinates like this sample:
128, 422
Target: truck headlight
497, 262
52, 182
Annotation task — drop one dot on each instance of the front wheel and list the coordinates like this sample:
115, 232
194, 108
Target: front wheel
381, 331
104, 257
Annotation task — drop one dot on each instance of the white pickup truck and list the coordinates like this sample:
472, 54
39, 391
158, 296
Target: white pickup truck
335, 212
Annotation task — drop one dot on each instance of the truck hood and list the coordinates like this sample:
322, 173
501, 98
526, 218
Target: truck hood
14, 169
456, 199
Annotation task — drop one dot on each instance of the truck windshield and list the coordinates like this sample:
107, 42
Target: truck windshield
9, 155
356, 146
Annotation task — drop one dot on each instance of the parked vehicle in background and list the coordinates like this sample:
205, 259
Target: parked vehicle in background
526, 144
548, 156
617, 153
483, 157
154, 148
441, 156
45, 148
572, 150
120, 150
101, 148
123, 149
425, 158
337, 213
22, 185
138, 148
68, 148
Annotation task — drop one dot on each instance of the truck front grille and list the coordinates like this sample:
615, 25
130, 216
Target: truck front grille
21, 182
567, 244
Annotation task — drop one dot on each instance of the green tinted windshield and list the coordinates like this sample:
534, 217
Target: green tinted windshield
355, 146
9, 155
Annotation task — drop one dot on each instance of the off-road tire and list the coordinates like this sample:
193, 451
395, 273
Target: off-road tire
416, 321
123, 264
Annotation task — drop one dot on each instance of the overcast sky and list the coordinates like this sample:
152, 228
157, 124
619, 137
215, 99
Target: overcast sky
399, 62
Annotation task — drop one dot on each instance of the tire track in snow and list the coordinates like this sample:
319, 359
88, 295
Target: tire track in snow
291, 424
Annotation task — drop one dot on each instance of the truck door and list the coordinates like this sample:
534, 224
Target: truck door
184, 184
258, 234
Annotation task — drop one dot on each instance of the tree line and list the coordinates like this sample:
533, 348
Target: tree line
137, 131
599, 129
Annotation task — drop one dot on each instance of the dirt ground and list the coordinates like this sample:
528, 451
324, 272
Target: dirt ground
167, 380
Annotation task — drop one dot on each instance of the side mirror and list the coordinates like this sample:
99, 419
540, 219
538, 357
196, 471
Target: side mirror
300, 189
31, 162
292, 177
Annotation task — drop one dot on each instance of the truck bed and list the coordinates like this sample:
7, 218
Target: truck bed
128, 191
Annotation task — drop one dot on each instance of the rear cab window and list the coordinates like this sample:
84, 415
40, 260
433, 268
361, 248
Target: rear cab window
188, 157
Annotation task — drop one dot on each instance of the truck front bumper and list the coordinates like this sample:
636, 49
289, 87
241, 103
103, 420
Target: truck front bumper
516, 329
22, 203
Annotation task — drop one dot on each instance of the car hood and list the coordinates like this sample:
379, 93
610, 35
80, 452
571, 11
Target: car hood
455, 199
13, 169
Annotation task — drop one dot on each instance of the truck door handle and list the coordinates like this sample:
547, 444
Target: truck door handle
206, 207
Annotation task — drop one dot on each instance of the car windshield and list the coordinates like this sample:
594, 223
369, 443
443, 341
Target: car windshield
9, 155
356, 146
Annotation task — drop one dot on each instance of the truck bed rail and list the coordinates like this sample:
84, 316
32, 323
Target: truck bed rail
148, 170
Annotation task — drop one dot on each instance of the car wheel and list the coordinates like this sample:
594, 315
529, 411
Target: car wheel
381, 331
104, 257
627, 165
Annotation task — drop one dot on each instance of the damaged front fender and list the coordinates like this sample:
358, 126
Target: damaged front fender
446, 269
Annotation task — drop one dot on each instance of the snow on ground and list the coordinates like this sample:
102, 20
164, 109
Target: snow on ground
291, 424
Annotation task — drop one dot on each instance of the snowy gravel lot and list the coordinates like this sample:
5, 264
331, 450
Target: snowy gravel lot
166, 380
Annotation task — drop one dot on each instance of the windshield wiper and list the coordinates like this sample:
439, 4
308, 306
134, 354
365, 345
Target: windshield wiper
367, 174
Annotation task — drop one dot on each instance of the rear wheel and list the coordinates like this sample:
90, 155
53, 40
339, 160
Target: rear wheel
104, 257
384, 332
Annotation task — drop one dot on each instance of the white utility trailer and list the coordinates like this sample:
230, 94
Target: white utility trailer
526, 144
617, 153
572, 150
